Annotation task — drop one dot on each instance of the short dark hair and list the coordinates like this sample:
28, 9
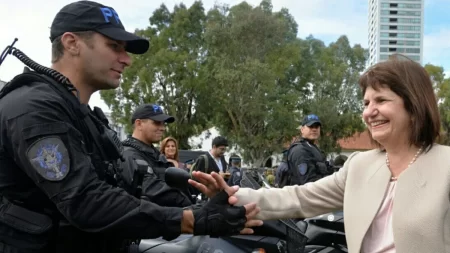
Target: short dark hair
410, 81
219, 141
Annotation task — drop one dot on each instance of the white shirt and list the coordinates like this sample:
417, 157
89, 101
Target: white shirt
218, 162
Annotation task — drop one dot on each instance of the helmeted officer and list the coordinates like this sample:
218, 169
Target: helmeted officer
57, 156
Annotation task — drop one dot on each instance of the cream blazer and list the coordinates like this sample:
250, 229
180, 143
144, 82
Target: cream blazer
421, 217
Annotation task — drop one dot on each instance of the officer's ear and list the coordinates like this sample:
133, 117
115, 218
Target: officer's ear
302, 129
71, 43
139, 124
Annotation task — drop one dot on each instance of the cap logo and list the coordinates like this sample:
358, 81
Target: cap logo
157, 109
312, 117
110, 13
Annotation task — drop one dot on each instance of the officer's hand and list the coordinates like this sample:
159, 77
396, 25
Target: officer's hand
218, 218
208, 185
213, 183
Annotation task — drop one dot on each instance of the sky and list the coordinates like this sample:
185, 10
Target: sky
30, 20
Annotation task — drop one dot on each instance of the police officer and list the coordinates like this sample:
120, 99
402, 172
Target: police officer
49, 168
149, 124
235, 171
306, 163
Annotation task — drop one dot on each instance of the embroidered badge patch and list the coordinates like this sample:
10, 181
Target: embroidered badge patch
303, 168
50, 158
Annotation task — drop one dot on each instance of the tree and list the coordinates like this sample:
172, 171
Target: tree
243, 70
335, 96
171, 73
250, 51
441, 85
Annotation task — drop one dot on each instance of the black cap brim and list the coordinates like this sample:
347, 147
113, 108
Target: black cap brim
135, 44
313, 122
163, 118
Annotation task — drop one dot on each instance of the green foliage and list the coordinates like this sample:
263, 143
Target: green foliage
441, 86
243, 70
250, 50
171, 73
335, 96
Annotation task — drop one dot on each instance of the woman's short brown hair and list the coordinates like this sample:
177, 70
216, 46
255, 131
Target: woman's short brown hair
164, 144
410, 81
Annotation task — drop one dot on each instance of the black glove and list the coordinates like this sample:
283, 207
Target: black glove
323, 168
218, 218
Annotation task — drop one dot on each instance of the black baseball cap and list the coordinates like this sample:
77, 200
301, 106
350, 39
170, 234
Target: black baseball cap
235, 159
310, 120
91, 16
153, 112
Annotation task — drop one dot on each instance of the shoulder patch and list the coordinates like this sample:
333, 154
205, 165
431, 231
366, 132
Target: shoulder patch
50, 158
302, 168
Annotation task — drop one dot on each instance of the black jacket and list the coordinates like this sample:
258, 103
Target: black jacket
200, 164
235, 176
153, 188
306, 163
47, 175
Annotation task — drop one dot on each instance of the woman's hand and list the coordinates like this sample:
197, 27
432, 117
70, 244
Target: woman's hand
211, 184
206, 183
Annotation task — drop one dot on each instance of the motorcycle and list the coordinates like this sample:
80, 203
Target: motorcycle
321, 234
276, 236
325, 233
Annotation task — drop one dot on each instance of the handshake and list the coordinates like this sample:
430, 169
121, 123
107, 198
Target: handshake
219, 216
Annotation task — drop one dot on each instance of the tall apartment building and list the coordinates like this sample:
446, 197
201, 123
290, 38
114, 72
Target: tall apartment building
395, 26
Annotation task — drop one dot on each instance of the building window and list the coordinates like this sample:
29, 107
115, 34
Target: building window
414, 57
409, 6
409, 20
401, 35
412, 50
401, 42
393, 49
409, 35
401, 27
402, 6
408, 28
400, 13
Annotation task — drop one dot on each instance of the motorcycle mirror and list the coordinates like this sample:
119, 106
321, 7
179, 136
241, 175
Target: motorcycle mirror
265, 183
176, 177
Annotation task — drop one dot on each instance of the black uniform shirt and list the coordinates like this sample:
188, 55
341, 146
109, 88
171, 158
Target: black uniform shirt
153, 188
44, 164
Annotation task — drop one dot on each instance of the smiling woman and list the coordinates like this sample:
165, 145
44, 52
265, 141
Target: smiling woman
169, 148
388, 191
400, 105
